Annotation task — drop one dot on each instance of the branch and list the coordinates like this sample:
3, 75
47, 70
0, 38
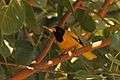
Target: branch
76, 6
105, 8
12, 65
62, 58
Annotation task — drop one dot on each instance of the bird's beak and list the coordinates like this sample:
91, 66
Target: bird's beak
50, 29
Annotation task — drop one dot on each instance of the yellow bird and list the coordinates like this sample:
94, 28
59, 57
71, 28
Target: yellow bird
69, 41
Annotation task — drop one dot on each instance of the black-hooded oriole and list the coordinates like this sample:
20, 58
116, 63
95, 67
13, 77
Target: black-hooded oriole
69, 41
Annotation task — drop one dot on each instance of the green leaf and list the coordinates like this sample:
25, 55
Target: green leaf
1, 38
55, 50
113, 59
11, 17
60, 9
37, 76
2, 73
4, 51
39, 3
85, 20
24, 52
2, 3
66, 4
115, 14
106, 33
30, 20
116, 41
96, 38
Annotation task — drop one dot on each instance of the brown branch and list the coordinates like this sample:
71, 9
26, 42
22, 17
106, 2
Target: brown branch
77, 5
65, 57
105, 7
62, 58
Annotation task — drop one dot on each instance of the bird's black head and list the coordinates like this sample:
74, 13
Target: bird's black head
59, 33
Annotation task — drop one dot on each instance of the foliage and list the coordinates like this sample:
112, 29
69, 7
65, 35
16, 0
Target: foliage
22, 37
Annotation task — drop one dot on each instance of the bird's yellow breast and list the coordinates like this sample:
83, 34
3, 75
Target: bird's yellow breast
69, 42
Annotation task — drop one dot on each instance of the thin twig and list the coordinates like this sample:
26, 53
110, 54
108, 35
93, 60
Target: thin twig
105, 7
12, 65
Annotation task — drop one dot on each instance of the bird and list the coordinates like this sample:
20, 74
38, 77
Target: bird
68, 41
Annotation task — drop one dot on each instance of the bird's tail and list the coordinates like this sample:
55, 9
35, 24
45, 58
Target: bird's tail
88, 55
